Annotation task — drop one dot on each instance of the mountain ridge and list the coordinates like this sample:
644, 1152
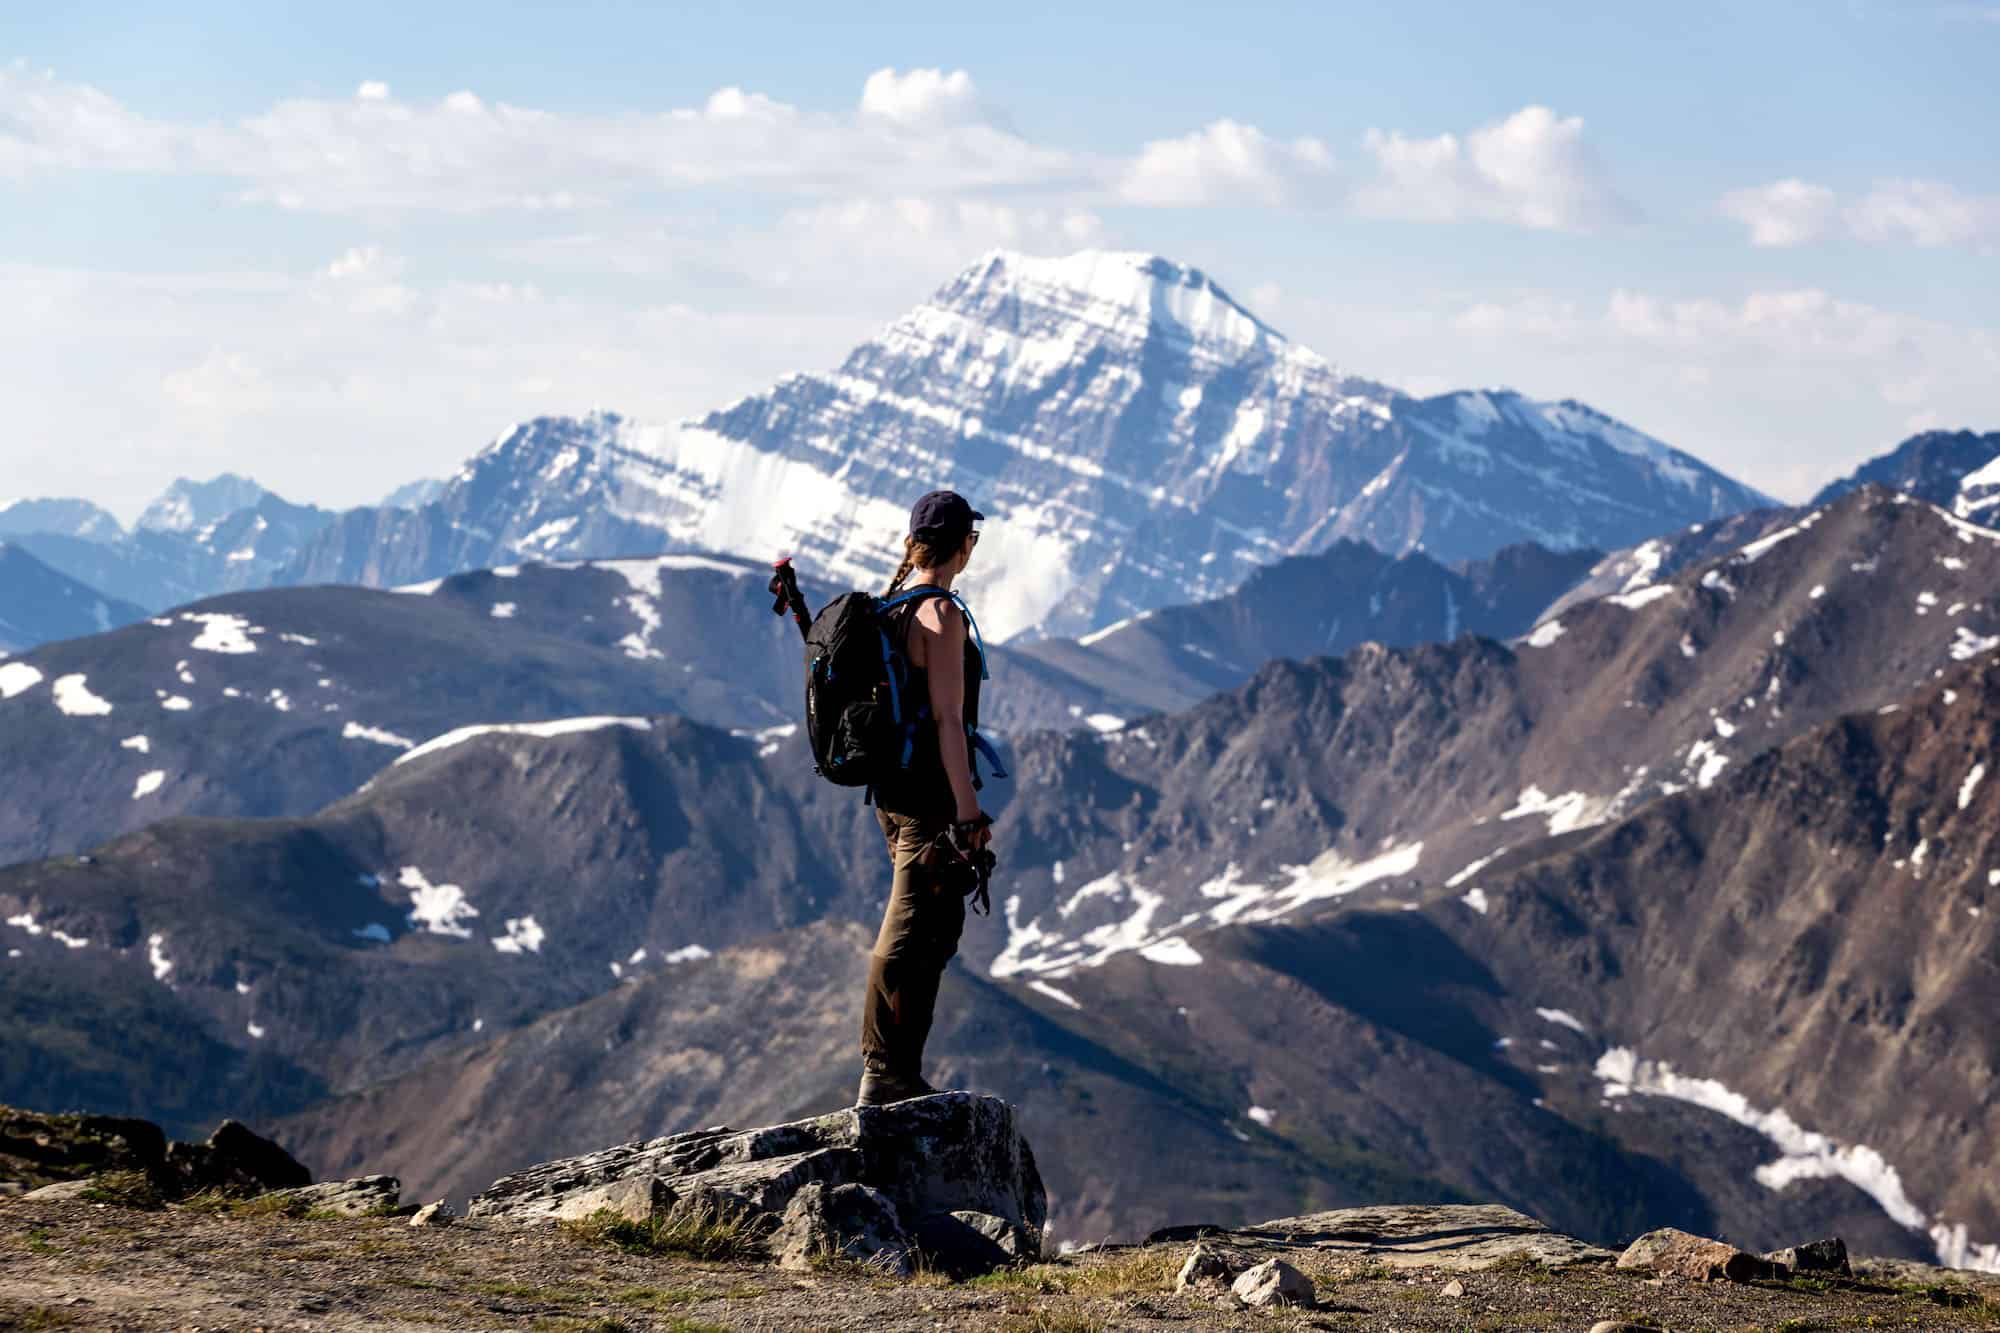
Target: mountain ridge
1139, 438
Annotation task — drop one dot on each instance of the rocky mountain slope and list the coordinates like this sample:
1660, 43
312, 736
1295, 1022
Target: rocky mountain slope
331, 951
1300, 607
281, 701
64, 517
1952, 469
197, 539
189, 506
1841, 890
409, 920
695, 633
38, 604
1139, 438
1728, 1007
1362, 775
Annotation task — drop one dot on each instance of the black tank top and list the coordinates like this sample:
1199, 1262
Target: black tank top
924, 790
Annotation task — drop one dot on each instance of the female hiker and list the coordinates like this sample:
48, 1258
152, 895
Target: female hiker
930, 812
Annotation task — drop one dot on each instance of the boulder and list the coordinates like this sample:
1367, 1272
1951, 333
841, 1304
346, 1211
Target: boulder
960, 1246
952, 1153
1210, 1265
1827, 1256
436, 1214
1621, 1326
852, 1222
364, 1196
1012, 1240
1274, 1282
1675, 1253
234, 1160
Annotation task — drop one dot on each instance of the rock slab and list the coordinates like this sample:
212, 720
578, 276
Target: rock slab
1671, 1252
1462, 1238
435, 1214
929, 1158
364, 1196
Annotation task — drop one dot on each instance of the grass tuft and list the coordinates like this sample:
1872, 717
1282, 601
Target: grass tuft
698, 1230
268, 1205
42, 1316
657, 1299
1053, 1321
126, 1189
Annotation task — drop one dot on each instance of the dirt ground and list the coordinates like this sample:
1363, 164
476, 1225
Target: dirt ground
82, 1266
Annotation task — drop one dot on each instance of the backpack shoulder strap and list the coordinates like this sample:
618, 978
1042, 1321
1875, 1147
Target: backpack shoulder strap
916, 594
925, 591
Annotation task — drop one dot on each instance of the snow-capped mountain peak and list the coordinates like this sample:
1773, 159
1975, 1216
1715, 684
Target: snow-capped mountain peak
1109, 287
188, 506
79, 519
1139, 437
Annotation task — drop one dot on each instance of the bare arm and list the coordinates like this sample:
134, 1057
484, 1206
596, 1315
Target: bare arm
942, 630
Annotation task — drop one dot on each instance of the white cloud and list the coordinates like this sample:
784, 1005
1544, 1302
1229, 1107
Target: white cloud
1784, 387
376, 153
860, 243
1533, 169
47, 124
1925, 213
1783, 213
222, 383
1225, 163
921, 97
919, 133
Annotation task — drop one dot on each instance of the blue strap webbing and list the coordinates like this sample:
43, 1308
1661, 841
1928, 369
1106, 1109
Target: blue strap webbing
889, 670
983, 746
918, 593
930, 590
977, 642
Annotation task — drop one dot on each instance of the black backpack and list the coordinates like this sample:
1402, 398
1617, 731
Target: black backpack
860, 721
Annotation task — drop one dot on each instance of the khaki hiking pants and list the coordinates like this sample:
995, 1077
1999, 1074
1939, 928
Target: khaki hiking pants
919, 935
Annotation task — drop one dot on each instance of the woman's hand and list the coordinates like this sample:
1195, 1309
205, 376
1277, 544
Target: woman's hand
976, 833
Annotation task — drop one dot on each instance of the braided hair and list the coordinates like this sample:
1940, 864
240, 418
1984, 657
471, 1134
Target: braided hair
921, 553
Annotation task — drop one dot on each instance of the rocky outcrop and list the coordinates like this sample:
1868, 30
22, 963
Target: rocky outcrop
234, 1160
857, 1184
1670, 1252
1459, 1237
364, 1196
37, 1151
1827, 1256
853, 1222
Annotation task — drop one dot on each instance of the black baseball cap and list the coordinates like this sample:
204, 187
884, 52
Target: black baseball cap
943, 513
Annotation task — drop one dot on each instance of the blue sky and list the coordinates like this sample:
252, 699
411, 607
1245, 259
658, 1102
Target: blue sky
343, 249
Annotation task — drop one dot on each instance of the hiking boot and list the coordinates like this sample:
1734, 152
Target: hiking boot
882, 1089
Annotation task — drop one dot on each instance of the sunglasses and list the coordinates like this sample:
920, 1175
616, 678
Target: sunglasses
975, 536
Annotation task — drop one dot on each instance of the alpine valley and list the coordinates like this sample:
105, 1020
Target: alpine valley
1457, 798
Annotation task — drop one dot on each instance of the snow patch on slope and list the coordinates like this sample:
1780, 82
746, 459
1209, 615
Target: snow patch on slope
1805, 1154
545, 730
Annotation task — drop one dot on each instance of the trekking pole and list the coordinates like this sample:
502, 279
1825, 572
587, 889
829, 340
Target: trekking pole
785, 587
